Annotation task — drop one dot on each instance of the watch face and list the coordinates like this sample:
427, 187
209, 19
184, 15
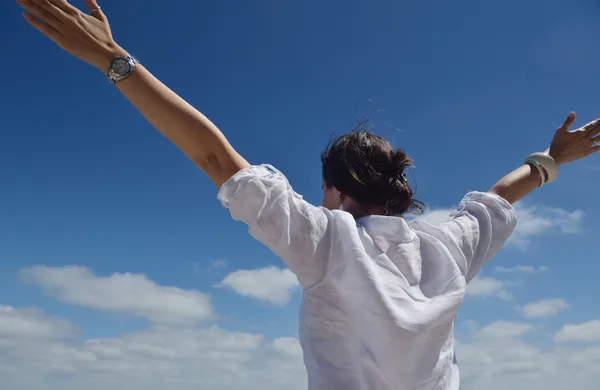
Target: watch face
121, 66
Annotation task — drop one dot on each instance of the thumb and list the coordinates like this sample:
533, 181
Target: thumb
95, 10
568, 122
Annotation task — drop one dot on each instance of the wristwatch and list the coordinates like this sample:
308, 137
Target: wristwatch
120, 68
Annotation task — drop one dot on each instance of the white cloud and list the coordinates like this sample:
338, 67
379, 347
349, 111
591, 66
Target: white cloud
288, 346
493, 287
481, 286
32, 324
503, 330
40, 352
538, 220
436, 216
494, 357
129, 293
525, 269
531, 221
497, 357
270, 284
545, 308
587, 332
159, 357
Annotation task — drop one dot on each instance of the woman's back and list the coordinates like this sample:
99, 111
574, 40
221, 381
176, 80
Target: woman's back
381, 319
380, 295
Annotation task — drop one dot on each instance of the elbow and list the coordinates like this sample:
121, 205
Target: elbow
209, 163
219, 169
496, 189
502, 191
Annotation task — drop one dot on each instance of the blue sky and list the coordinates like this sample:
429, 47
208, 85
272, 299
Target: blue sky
97, 206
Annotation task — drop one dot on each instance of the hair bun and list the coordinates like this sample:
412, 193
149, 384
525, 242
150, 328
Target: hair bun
399, 163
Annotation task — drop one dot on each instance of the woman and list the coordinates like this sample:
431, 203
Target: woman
380, 295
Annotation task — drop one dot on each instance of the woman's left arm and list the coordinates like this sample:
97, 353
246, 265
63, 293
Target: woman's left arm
89, 38
566, 146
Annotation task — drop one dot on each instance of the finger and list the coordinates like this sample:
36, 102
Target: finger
592, 128
45, 29
48, 7
568, 122
95, 10
63, 6
41, 13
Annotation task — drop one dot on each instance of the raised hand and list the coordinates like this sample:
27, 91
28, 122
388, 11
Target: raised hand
87, 37
574, 145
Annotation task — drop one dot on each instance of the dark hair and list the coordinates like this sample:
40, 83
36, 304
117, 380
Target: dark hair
367, 168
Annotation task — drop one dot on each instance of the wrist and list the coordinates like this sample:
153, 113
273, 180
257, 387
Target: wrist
559, 161
545, 164
105, 58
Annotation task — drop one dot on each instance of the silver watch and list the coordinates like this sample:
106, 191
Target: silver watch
120, 68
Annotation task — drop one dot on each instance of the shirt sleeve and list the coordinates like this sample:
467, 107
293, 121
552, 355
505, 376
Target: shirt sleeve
295, 230
480, 227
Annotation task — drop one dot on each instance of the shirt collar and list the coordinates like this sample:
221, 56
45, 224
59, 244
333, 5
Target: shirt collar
394, 228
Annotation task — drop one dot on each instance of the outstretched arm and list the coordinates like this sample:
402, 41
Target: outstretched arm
483, 222
260, 196
185, 126
89, 38
566, 146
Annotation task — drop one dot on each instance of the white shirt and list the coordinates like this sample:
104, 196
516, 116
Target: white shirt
379, 295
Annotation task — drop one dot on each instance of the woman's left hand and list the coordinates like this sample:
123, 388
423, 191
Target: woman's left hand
87, 37
574, 145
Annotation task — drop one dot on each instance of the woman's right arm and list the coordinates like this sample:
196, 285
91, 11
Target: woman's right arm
89, 38
193, 133
259, 196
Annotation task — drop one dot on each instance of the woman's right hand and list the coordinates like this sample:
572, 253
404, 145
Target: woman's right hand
574, 145
86, 36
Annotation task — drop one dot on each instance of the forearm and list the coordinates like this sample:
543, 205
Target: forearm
520, 182
517, 184
182, 124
